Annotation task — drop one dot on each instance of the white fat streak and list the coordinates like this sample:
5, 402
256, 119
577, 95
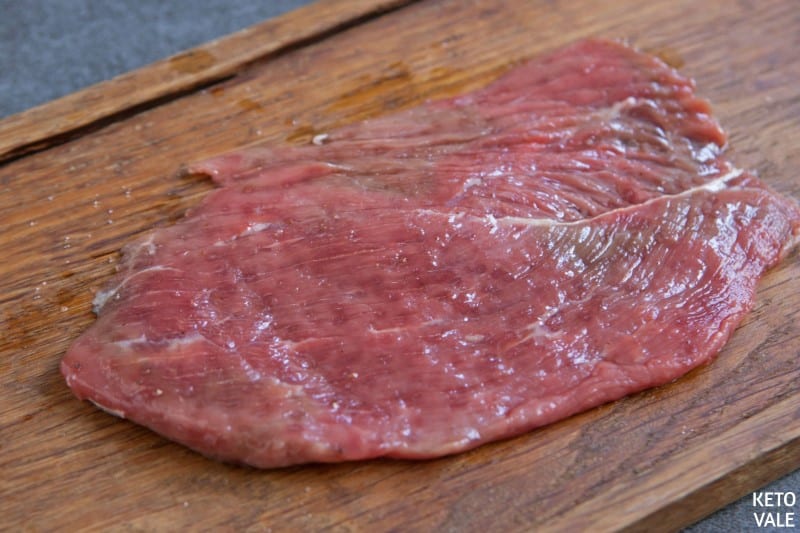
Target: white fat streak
255, 227
472, 182
433, 322
715, 185
539, 330
719, 183
251, 229
173, 343
183, 341
115, 412
126, 344
251, 373
320, 139
492, 221
149, 245
104, 296
433, 212
612, 112
470, 435
707, 152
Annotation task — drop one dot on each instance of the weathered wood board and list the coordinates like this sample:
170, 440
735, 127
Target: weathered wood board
82, 176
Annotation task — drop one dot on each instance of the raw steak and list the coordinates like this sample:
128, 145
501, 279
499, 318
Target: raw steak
421, 283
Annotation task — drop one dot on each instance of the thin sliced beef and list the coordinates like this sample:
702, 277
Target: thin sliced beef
421, 283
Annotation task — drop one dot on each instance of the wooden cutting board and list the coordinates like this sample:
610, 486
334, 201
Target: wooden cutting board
83, 175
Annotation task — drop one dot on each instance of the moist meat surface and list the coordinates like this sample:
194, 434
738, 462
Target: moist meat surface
424, 282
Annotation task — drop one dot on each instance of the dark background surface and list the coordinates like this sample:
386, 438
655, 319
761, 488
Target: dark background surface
49, 48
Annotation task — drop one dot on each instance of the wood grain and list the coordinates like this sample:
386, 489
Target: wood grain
172, 77
656, 460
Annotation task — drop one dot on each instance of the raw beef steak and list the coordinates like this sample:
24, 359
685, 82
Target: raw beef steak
421, 283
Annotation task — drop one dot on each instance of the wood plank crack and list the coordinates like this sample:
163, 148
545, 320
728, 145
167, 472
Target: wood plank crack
188, 72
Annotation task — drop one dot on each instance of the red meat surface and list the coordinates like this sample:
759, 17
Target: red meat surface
418, 284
